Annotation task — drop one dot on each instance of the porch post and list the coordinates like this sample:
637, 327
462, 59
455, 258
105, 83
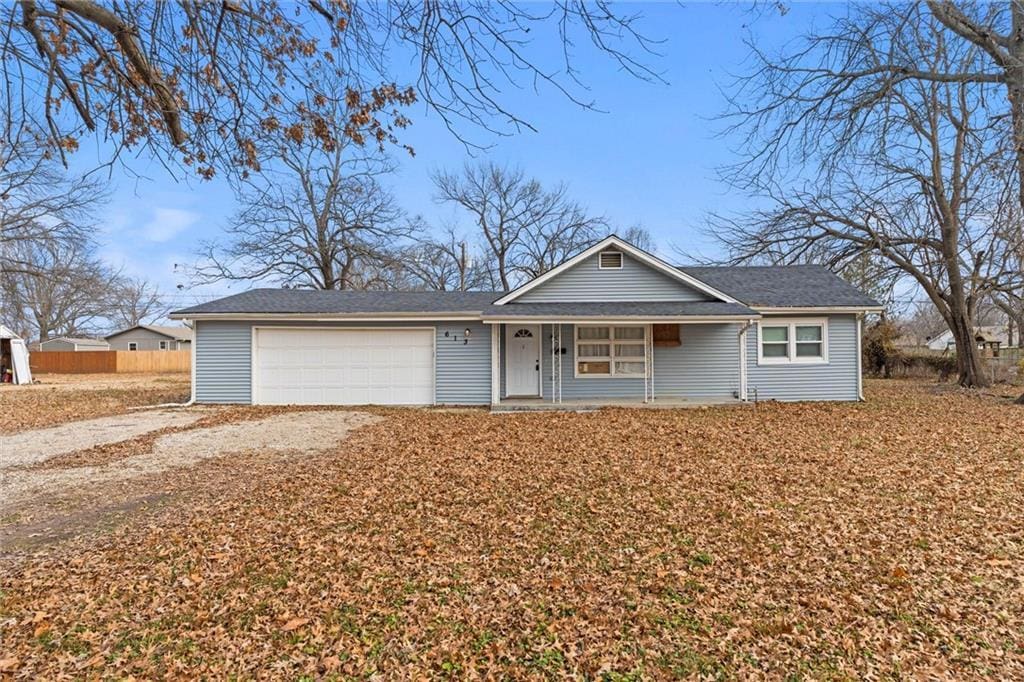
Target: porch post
495, 363
743, 360
551, 352
559, 362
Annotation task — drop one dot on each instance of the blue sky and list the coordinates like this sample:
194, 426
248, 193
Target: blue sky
649, 160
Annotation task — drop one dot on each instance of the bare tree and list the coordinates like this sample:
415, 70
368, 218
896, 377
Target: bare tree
524, 228
39, 203
445, 263
915, 174
64, 290
203, 82
135, 300
640, 237
315, 219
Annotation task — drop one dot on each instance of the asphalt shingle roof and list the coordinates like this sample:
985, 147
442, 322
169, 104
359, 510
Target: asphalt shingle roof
793, 286
308, 301
80, 340
620, 309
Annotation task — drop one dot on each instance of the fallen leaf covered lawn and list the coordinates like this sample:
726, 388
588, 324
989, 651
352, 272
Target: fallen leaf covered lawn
820, 540
63, 398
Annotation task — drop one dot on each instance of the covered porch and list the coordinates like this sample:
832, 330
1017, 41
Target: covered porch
665, 355
590, 404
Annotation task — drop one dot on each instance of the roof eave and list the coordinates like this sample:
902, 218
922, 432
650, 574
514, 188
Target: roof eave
771, 310
611, 319
409, 316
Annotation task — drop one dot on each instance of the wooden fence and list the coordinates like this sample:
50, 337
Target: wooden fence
111, 361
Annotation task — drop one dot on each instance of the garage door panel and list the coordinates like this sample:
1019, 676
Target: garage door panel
345, 366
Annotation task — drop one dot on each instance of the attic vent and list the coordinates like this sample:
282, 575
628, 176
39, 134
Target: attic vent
610, 260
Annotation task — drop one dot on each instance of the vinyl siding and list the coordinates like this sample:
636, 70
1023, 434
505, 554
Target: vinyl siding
147, 340
224, 359
636, 281
67, 345
836, 380
706, 365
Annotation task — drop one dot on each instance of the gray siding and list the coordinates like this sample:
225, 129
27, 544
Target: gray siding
146, 340
223, 358
464, 370
224, 362
634, 282
836, 380
706, 365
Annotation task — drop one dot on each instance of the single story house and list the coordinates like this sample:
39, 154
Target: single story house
73, 343
151, 337
612, 324
987, 337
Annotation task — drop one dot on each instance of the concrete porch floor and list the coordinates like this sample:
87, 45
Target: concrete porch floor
589, 404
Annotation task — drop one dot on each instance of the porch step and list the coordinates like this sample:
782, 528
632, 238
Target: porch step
549, 407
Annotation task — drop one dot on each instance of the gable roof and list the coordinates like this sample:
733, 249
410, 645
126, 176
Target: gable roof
627, 248
623, 310
783, 286
178, 333
77, 340
318, 302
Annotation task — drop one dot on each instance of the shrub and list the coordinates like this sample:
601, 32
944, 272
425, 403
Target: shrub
923, 363
879, 349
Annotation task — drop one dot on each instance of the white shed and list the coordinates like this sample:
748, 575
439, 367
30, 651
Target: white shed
13, 358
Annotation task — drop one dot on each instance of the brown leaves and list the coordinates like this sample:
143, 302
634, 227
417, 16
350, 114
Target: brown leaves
61, 398
843, 541
294, 624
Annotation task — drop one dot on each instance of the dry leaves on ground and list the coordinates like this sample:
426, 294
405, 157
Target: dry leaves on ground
820, 540
57, 399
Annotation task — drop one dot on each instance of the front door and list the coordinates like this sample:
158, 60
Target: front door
522, 360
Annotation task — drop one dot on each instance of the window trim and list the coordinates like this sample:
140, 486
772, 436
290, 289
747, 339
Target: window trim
611, 358
602, 266
164, 345
133, 343
791, 357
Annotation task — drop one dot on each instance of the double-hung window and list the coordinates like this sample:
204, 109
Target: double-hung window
611, 351
792, 341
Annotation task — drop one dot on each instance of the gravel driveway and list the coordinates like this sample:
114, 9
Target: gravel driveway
30, 447
21, 481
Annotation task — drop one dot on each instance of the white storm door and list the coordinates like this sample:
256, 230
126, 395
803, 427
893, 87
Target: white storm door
522, 360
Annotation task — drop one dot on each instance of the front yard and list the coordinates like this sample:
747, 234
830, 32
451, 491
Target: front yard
830, 541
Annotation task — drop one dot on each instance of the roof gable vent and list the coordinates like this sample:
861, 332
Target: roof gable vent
610, 260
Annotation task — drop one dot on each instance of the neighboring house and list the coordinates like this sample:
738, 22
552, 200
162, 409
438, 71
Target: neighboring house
614, 323
72, 343
992, 337
151, 337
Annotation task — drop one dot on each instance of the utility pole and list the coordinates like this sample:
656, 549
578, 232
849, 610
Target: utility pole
462, 266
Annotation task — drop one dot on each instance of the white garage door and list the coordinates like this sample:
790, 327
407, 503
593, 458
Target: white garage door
344, 367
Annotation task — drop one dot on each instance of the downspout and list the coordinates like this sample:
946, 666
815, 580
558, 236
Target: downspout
860, 359
192, 359
192, 376
743, 359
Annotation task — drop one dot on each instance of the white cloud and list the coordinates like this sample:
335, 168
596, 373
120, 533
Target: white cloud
167, 223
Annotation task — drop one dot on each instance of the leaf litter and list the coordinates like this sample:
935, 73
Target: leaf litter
838, 541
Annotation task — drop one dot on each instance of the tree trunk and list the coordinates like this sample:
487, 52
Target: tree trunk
970, 368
